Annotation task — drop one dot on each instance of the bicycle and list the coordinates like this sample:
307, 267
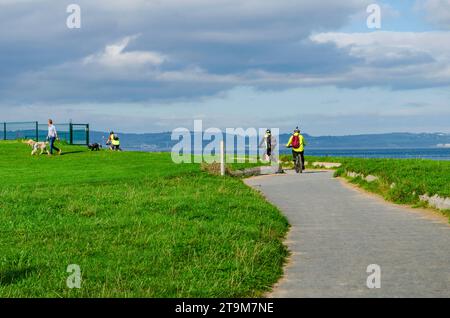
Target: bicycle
298, 164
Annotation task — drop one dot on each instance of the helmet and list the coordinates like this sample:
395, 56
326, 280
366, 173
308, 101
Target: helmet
296, 130
268, 131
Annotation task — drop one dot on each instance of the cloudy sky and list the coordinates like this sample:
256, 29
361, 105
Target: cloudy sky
154, 65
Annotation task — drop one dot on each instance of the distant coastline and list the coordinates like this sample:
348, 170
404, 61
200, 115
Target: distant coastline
161, 142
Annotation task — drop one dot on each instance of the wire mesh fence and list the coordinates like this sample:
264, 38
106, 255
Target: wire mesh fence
74, 134
19, 130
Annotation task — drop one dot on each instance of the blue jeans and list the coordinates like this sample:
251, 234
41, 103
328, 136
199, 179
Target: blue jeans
52, 145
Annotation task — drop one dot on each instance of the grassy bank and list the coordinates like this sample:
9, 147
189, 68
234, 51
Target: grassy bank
137, 225
399, 180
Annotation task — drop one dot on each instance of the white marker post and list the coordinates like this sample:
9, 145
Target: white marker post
222, 158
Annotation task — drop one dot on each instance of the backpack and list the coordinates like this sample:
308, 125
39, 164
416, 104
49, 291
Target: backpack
295, 141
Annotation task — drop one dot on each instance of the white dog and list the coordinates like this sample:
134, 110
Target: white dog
36, 146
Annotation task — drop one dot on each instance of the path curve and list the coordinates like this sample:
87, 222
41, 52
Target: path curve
338, 231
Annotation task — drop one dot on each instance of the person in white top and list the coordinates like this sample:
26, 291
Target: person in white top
52, 137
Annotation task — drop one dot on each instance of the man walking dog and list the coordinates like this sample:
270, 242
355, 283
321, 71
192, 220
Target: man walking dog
52, 137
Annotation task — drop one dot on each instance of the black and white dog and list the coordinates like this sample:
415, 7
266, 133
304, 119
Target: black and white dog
95, 147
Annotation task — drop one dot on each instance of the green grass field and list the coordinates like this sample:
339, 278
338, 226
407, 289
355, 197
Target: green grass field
137, 225
400, 180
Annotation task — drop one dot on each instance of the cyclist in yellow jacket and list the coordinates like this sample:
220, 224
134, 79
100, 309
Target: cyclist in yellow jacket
297, 142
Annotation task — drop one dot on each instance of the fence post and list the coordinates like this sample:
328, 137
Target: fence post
87, 134
4, 131
37, 131
71, 133
222, 158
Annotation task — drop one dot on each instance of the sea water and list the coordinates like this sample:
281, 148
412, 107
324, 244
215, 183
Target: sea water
424, 153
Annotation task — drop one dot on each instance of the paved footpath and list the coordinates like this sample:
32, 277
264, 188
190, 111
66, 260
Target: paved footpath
338, 231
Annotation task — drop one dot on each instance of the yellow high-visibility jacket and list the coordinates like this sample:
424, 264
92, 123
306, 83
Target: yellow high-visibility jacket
113, 141
302, 142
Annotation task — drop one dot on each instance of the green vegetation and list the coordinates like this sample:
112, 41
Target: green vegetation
214, 168
137, 224
242, 166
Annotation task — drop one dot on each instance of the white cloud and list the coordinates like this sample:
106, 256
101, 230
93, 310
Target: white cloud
438, 11
401, 57
433, 42
195, 48
392, 59
114, 56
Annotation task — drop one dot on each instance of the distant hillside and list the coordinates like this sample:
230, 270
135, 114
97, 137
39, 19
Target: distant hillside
162, 142
144, 142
